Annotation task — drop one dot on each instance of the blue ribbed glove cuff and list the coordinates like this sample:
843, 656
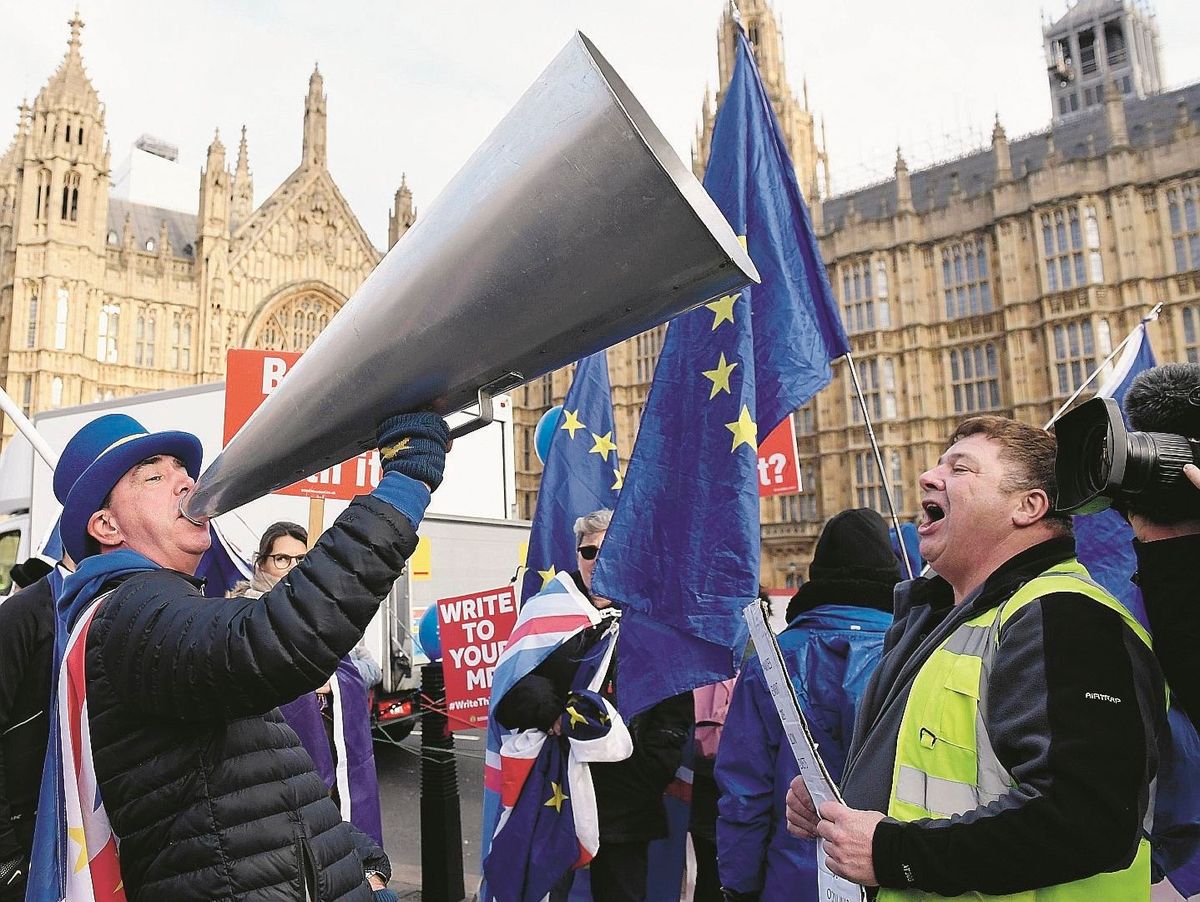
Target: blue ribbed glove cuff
405, 494
414, 444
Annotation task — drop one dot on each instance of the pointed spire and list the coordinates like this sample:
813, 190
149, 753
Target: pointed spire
243, 183
903, 183
70, 86
804, 91
1000, 152
76, 24
403, 214
216, 151
313, 153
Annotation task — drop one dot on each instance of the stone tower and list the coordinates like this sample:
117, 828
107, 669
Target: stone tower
54, 182
795, 117
1099, 46
403, 214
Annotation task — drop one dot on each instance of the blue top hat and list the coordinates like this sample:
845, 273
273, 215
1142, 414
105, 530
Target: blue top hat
94, 461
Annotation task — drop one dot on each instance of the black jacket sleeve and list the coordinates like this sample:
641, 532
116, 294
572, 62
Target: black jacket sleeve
170, 652
26, 638
372, 857
1074, 707
1170, 586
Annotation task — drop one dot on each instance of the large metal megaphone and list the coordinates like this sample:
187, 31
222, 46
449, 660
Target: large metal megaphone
574, 226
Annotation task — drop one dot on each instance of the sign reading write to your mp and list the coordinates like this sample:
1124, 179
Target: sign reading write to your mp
250, 376
778, 471
474, 631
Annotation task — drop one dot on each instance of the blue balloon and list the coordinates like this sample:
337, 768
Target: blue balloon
543, 433
429, 635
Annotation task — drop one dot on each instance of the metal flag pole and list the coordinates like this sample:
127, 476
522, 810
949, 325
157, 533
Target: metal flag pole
1148, 318
887, 487
9, 406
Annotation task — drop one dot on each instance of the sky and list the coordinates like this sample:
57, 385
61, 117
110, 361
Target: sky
414, 87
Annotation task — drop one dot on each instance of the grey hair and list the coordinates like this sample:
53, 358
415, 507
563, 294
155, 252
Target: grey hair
590, 524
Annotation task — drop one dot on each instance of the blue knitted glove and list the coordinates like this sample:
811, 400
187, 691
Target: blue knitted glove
414, 445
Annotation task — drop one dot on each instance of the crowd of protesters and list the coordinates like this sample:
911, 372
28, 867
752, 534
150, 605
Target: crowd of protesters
995, 727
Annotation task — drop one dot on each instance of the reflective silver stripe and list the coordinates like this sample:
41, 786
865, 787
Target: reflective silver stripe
938, 796
968, 640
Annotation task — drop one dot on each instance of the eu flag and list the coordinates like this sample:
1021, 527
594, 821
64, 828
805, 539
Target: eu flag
582, 474
682, 554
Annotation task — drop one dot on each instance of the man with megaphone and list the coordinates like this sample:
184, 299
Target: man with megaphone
167, 741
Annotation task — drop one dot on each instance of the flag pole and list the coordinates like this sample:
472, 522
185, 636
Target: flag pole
1148, 318
9, 406
887, 488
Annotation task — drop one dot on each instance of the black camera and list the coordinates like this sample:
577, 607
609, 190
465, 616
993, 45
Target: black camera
1099, 461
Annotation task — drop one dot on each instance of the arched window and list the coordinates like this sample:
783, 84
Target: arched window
68, 132
143, 341
61, 315
56, 387
294, 323
32, 334
107, 331
70, 197
79, 136
185, 349
42, 209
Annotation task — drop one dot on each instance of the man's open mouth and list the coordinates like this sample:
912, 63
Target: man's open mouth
933, 512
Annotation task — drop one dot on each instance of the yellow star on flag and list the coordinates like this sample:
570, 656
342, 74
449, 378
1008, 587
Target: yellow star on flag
723, 308
576, 717
392, 450
744, 430
719, 377
620, 483
557, 797
77, 834
547, 575
604, 444
571, 422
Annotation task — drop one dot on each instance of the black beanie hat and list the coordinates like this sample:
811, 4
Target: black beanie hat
855, 545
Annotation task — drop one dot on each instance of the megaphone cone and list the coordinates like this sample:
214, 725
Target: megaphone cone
574, 226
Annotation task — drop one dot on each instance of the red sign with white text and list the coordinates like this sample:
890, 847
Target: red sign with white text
778, 471
251, 375
474, 631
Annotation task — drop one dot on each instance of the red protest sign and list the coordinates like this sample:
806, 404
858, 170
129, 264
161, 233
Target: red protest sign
251, 375
778, 471
474, 630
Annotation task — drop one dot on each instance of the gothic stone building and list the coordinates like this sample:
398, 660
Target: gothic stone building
102, 297
995, 282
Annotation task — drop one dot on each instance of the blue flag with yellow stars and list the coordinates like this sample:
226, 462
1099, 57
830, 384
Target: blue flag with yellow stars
582, 474
682, 555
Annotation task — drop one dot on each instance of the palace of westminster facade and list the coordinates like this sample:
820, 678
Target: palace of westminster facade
994, 282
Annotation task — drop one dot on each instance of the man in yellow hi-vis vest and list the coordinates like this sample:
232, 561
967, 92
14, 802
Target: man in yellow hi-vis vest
1006, 745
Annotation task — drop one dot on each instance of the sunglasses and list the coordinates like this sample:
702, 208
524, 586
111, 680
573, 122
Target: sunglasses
284, 560
588, 552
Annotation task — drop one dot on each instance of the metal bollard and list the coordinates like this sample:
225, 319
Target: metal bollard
441, 817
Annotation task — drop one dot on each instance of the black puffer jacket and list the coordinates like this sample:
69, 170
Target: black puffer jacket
26, 659
210, 792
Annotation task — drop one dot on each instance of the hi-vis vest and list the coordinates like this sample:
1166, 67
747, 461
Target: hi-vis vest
945, 764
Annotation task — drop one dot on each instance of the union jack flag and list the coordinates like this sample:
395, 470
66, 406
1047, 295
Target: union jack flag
550, 618
92, 868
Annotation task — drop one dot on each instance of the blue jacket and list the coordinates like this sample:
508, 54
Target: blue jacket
830, 652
